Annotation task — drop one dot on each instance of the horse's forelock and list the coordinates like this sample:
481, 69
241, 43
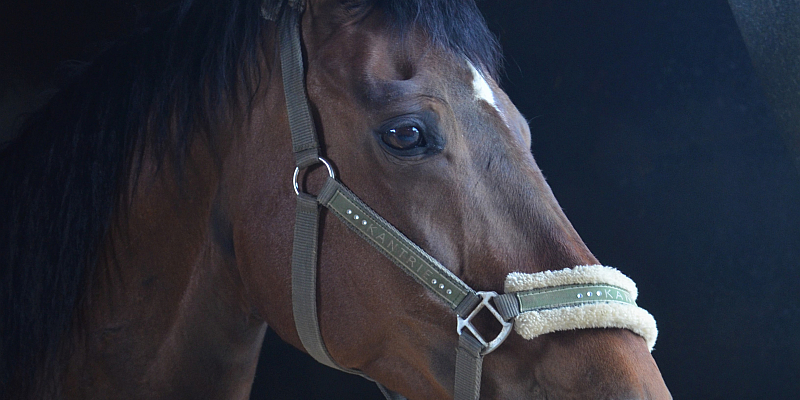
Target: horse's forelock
457, 25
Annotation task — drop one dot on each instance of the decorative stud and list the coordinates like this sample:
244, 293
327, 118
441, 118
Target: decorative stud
364, 222
580, 295
356, 217
589, 294
449, 291
433, 281
441, 286
349, 212
599, 293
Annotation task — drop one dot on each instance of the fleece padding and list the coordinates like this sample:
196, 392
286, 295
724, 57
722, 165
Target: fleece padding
595, 315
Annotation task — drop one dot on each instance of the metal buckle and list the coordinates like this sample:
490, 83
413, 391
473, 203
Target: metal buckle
488, 346
297, 171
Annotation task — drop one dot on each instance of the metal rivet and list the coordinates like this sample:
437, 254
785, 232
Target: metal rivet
356, 216
364, 222
433, 281
580, 295
589, 294
349, 212
441, 286
449, 291
599, 293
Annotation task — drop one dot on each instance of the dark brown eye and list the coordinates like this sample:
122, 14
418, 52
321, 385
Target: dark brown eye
403, 138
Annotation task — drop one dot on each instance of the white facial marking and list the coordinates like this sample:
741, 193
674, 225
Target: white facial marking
482, 89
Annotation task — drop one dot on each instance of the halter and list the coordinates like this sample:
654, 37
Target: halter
528, 297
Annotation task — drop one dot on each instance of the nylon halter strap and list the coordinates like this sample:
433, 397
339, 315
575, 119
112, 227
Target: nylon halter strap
463, 300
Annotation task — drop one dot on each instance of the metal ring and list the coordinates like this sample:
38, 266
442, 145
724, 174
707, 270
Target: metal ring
488, 347
297, 171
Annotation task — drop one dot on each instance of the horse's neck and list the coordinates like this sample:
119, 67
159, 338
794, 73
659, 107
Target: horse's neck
167, 316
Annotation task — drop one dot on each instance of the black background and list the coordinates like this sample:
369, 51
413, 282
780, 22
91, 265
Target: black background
654, 133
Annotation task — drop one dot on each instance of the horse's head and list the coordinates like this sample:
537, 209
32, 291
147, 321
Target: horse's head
416, 126
144, 245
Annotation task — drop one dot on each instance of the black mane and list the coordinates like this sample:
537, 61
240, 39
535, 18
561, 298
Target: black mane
182, 75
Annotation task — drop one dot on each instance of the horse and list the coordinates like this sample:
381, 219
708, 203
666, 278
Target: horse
148, 211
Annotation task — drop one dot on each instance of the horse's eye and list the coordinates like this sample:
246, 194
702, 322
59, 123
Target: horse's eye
403, 138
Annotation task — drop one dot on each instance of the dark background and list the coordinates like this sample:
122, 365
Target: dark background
654, 133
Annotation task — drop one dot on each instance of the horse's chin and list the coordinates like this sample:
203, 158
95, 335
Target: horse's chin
576, 365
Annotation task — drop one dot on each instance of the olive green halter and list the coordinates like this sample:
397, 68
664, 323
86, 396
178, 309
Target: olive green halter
419, 265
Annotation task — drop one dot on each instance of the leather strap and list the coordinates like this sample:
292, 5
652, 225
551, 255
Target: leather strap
394, 245
304, 137
469, 365
304, 279
306, 151
510, 305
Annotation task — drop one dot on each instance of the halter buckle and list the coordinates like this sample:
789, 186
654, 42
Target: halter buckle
297, 172
488, 347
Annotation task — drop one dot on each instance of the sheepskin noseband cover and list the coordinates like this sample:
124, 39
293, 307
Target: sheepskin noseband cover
572, 304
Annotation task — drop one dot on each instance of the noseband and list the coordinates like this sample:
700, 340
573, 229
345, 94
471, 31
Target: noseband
584, 297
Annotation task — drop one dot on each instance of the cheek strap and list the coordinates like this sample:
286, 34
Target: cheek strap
587, 296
